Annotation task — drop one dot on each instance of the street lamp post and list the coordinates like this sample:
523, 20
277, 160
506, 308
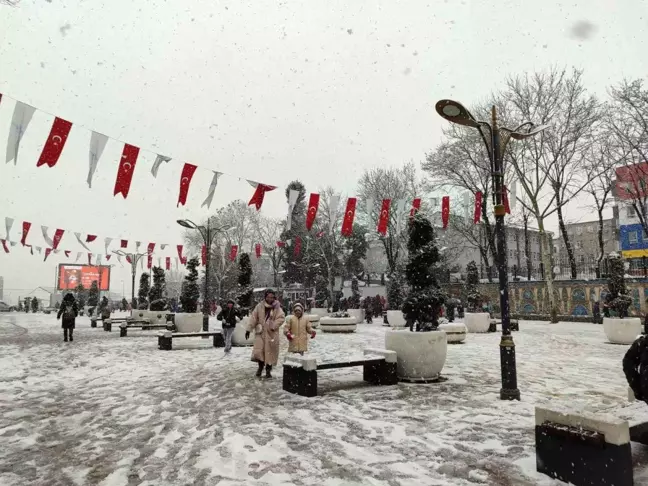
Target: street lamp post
496, 139
134, 260
208, 234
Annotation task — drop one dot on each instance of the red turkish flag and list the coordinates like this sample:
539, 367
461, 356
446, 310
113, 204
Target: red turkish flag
185, 179
281, 244
478, 207
57, 238
383, 222
47, 253
128, 259
259, 194
416, 205
505, 200
125, 170
445, 211
183, 260
320, 234
233, 252
91, 238
6, 248
257, 249
313, 204
349, 215
168, 263
25, 232
124, 243
55, 142
298, 245
149, 250
108, 257
67, 253
203, 253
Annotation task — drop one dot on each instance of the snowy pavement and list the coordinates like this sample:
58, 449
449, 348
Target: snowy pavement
113, 411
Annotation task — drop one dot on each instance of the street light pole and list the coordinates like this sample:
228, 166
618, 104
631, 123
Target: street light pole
496, 139
134, 259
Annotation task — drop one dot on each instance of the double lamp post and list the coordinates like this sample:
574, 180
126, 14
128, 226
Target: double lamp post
496, 139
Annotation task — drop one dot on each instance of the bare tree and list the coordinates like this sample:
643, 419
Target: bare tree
268, 232
395, 183
11, 3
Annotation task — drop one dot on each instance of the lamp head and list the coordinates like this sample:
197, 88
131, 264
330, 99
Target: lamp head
186, 223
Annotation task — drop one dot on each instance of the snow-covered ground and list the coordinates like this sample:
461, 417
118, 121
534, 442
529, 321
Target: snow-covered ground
117, 411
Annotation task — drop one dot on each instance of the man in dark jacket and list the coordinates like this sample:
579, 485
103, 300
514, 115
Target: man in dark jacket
635, 367
68, 311
228, 316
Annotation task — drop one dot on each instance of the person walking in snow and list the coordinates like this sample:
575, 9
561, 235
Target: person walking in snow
104, 308
367, 305
298, 330
635, 368
228, 315
69, 310
265, 320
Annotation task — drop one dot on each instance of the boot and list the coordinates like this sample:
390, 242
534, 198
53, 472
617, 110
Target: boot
260, 370
71, 339
268, 370
65, 335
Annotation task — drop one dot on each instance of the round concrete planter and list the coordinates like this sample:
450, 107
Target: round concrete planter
622, 331
314, 320
455, 331
477, 321
357, 314
238, 338
420, 355
338, 324
188, 321
319, 311
396, 319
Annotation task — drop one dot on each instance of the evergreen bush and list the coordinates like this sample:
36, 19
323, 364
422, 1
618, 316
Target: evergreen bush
618, 298
190, 291
144, 289
471, 291
244, 298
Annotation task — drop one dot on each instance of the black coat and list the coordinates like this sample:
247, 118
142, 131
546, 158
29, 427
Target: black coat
67, 322
228, 317
635, 367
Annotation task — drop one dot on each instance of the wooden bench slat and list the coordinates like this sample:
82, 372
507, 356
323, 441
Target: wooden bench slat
348, 364
189, 334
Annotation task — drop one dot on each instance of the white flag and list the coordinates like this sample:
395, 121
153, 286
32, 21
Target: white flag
159, 160
466, 203
141, 263
97, 145
119, 258
212, 188
159, 262
163, 246
370, 205
99, 259
39, 249
176, 262
8, 225
293, 195
334, 202
401, 205
79, 253
107, 241
513, 197
22, 115
46, 237
137, 245
78, 237
14, 243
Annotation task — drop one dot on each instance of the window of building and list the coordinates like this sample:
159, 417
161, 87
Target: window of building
633, 238
579, 245
579, 230
590, 228
630, 212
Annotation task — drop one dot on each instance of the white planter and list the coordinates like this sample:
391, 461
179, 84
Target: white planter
188, 321
477, 321
622, 331
238, 338
338, 324
396, 319
314, 320
319, 311
156, 317
358, 314
420, 355
455, 331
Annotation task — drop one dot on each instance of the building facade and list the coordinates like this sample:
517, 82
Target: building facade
583, 238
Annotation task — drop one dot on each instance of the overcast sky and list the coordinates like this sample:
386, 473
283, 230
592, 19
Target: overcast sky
265, 90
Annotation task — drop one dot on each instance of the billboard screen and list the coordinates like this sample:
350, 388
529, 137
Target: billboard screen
70, 276
632, 181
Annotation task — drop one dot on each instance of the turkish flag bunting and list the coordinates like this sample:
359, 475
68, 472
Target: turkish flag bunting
128, 259
108, 257
125, 170
67, 253
183, 260
298, 245
57, 238
257, 249
349, 215
124, 243
150, 248
204, 254
89, 258
281, 244
445, 211
383, 222
259, 194
505, 200
90, 238
55, 142
6, 248
416, 205
233, 252
320, 234
168, 263
313, 204
47, 253
478, 207
185, 179
25, 232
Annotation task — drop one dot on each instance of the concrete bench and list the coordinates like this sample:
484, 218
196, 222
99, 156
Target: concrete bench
584, 448
494, 323
144, 326
165, 338
300, 372
107, 323
94, 319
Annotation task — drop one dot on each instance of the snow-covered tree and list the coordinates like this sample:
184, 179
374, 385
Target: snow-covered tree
473, 296
356, 250
396, 291
27, 304
268, 233
34, 304
81, 296
158, 290
144, 289
245, 291
124, 304
354, 301
21, 307
93, 294
618, 298
190, 291
425, 298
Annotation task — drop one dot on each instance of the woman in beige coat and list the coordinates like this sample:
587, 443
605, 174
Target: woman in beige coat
265, 320
298, 329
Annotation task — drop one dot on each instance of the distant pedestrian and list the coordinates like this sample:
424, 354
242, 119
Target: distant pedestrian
450, 309
104, 308
367, 304
596, 311
635, 368
265, 320
376, 306
68, 311
228, 315
298, 330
